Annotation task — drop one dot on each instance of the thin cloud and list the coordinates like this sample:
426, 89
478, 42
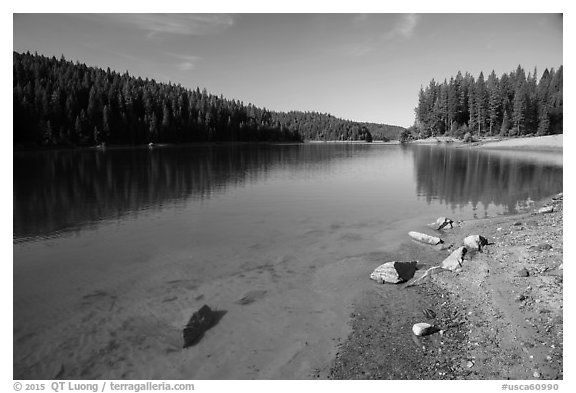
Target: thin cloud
175, 24
360, 18
404, 27
359, 49
188, 62
187, 66
184, 62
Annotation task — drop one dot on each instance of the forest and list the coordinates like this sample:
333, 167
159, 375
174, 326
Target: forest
512, 105
62, 103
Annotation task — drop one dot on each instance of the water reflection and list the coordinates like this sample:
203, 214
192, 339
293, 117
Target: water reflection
63, 191
68, 190
457, 177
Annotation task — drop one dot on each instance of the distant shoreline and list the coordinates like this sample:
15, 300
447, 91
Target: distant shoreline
191, 144
550, 143
375, 142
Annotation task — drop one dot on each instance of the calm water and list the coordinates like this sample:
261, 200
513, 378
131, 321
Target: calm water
113, 250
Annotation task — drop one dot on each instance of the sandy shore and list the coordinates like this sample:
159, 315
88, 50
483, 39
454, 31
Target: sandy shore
540, 143
549, 143
497, 322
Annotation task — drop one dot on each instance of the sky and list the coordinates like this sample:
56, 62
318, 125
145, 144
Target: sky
362, 67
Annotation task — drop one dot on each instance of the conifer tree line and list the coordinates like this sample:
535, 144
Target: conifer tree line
59, 103
512, 105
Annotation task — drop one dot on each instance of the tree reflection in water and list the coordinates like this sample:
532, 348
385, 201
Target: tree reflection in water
62, 191
68, 190
457, 177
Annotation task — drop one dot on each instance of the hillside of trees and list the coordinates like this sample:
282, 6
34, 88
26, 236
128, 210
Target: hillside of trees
512, 105
61, 103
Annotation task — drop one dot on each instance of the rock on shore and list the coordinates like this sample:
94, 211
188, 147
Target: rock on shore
494, 322
394, 272
455, 260
424, 238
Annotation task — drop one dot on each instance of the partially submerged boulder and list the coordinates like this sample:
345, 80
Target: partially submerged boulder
475, 242
443, 223
394, 272
423, 329
424, 238
251, 296
546, 209
455, 259
201, 320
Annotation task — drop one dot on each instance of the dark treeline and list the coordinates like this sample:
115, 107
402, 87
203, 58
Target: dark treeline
512, 105
61, 103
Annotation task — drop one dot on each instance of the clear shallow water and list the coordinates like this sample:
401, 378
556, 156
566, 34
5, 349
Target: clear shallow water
134, 240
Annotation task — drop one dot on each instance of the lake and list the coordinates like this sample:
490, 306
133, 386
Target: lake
115, 249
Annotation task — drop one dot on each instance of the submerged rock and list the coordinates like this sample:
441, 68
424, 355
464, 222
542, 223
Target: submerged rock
423, 329
443, 223
429, 313
424, 238
475, 242
394, 272
201, 320
455, 259
251, 297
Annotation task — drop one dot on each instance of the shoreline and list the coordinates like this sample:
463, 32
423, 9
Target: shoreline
495, 324
548, 143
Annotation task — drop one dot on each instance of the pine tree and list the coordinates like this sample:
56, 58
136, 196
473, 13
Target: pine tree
520, 106
543, 104
481, 98
422, 110
106, 123
452, 103
494, 101
472, 108
48, 134
443, 105
97, 136
166, 118
505, 127
153, 129
556, 100
532, 102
